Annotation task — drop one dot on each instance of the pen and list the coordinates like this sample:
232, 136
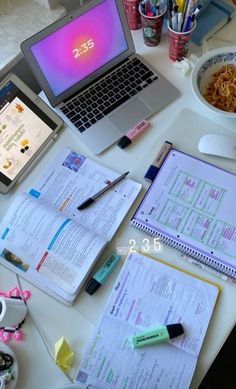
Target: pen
156, 164
184, 13
91, 199
188, 24
187, 16
174, 20
180, 21
197, 10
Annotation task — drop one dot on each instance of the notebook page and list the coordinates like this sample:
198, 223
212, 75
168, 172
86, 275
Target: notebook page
45, 247
191, 202
72, 178
111, 362
146, 294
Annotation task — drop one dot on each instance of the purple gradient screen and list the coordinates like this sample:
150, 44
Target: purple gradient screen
80, 47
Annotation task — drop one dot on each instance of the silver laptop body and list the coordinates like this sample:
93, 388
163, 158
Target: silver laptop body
97, 36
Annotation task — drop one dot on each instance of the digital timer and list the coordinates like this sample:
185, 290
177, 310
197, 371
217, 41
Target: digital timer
83, 48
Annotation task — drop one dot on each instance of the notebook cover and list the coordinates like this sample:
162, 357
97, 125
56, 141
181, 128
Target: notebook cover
217, 14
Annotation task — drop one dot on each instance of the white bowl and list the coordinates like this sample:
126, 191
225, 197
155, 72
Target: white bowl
208, 64
4, 348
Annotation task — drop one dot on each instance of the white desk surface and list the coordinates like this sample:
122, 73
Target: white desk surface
175, 123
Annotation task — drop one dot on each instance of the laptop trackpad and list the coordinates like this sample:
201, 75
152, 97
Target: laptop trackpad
130, 114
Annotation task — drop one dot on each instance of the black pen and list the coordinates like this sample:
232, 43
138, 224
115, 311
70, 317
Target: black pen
91, 199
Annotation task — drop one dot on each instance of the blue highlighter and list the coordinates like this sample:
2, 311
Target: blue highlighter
102, 273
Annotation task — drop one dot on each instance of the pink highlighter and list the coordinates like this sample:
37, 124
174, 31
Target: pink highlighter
133, 134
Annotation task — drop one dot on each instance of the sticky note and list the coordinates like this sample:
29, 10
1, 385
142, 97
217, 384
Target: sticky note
63, 354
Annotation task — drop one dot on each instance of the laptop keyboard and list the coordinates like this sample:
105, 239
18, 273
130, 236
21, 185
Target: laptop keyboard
109, 93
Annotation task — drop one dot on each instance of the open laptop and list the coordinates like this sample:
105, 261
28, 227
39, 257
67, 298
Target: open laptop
87, 66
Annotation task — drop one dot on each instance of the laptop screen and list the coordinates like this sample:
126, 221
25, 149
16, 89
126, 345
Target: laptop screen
80, 47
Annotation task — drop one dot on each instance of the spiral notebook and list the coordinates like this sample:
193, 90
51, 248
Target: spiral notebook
191, 206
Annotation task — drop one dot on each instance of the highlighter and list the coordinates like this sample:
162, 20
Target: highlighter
157, 335
102, 273
156, 164
133, 134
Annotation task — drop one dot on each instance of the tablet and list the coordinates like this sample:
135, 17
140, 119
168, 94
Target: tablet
27, 126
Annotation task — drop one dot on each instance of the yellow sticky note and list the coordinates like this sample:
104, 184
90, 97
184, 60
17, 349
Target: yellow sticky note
63, 354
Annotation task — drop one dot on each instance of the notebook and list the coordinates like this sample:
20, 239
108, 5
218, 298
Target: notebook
190, 206
46, 240
87, 66
167, 296
217, 14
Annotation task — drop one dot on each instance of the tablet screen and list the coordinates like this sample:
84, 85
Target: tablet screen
24, 127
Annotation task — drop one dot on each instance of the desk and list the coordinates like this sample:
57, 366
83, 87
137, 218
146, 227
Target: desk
76, 323
20, 19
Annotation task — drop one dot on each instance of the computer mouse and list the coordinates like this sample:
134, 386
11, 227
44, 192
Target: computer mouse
217, 144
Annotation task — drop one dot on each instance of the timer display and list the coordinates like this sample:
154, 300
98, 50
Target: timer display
83, 48
78, 48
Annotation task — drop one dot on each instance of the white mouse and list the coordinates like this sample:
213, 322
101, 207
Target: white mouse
220, 145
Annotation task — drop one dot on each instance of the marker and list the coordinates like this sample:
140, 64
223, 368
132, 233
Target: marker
192, 21
91, 200
180, 21
157, 335
197, 10
133, 134
102, 273
187, 26
174, 21
155, 166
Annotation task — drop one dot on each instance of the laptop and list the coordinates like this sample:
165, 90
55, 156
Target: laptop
87, 66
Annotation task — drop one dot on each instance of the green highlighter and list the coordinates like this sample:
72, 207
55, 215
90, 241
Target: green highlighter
157, 335
102, 273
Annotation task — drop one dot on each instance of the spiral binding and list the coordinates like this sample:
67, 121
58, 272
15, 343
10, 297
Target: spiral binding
226, 270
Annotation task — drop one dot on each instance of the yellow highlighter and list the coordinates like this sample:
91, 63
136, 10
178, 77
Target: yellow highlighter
180, 4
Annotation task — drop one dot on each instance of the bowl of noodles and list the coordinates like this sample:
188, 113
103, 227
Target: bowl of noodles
214, 80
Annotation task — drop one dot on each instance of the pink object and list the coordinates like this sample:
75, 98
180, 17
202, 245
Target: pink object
26, 294
15, 291
6, 336
14, 332
17, 335
152, 27
132, 13
133, 134
178, 43
137, 130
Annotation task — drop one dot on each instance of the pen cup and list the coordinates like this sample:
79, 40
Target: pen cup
131, 8
152, 27
179, 42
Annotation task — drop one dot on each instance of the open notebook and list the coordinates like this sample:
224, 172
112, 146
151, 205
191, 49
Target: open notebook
45, 239
190, 206
168, 295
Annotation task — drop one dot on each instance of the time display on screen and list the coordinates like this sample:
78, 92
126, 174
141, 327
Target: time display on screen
83, 48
